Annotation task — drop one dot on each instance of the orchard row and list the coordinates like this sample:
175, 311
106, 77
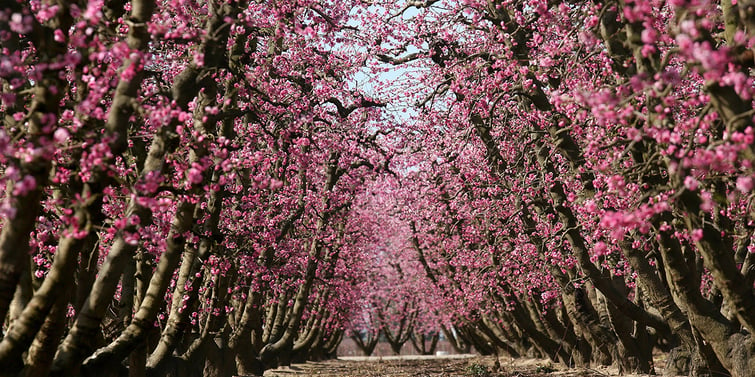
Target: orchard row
580, 182
179, 182
221, 187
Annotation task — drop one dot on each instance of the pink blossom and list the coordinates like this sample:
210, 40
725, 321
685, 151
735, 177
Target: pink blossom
131, 238
649, 36
21, 24
26, 185
60, 135
194, 174
59, 36
707, 201
744, 184
691, 183
275, 184
601, 249
697, 235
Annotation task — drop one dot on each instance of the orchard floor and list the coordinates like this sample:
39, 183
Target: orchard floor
450, 365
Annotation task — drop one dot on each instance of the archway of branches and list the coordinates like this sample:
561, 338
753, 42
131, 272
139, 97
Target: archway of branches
223, 187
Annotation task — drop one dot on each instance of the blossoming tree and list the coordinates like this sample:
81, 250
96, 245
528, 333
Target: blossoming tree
201, 187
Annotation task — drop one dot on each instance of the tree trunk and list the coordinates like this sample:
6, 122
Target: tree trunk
734, 351
368, 344
42, 350
457, 341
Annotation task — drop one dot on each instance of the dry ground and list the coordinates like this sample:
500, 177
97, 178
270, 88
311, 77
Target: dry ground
451, 365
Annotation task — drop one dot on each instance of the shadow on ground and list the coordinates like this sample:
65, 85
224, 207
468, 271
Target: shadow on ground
415, 366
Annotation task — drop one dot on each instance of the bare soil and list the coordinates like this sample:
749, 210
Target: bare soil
450, 365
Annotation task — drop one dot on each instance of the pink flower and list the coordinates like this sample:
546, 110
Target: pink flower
647, 50
649, 36
59, 36
60, 135
707, 201
20, 24
744, 184
601, 249
275, 184
697, 235
691, 183
22, 188
131, 238
194, 174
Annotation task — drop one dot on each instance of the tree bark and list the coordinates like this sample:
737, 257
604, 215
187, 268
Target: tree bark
733, 350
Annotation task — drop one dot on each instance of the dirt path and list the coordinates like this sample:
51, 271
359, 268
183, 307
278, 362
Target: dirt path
415, 366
